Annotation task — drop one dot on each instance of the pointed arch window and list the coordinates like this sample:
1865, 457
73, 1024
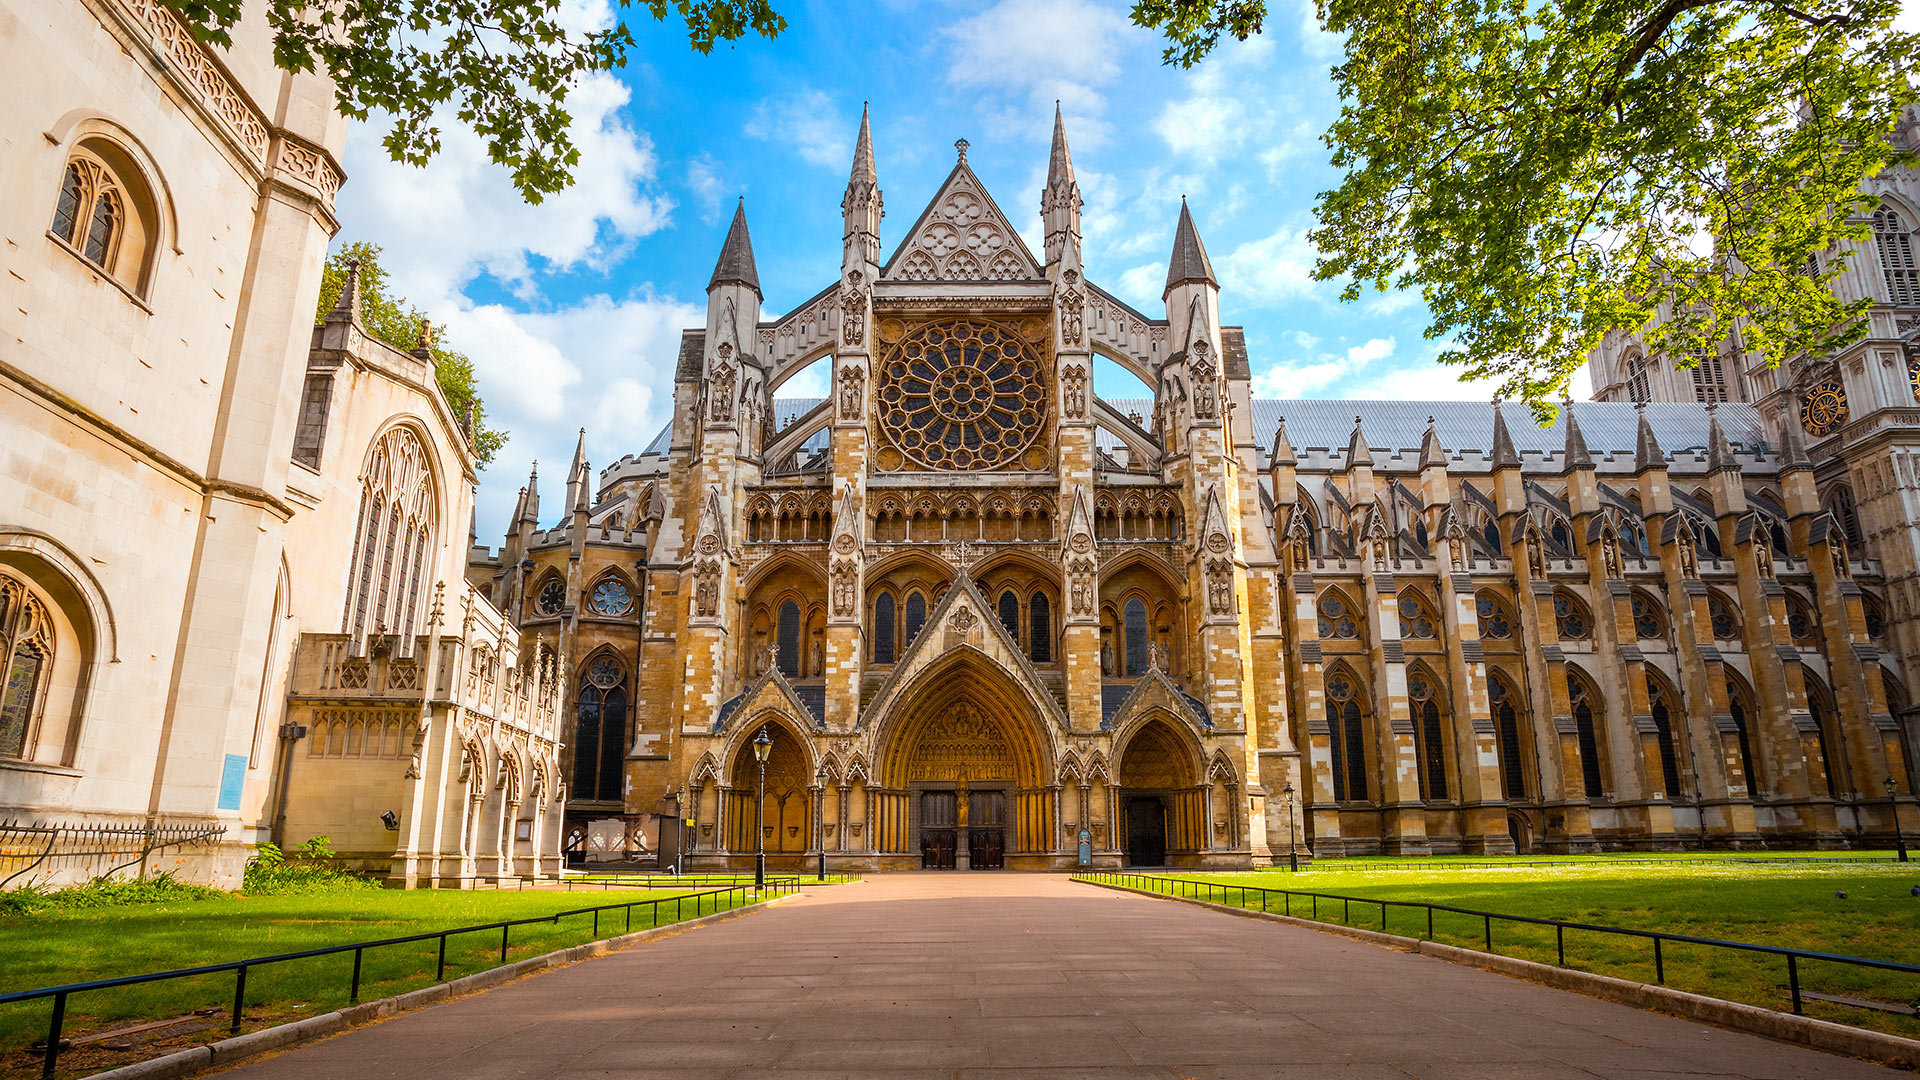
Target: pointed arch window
1416, 618
883, 628
1430, 737
1662, 706
1337, 621
600, 732
1802, 624
395, 541
1648, 622
1583, 704
1506, 721
1135, 614
1741, 708
789, 639
1720, 614
1570, 618
1638, 385
1496, 622
1346, 739
1010, 614
1040, 630
916, 615
1876, 616
1832, 741
1895, 246
26, 663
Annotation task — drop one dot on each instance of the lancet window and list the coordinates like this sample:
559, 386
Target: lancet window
394, 539
1506, 722
104, 212
1583, 701
1346, 739
1741, 707
1663, 712
600, 731
883, 628
1430, 736
26, 662
1895, 246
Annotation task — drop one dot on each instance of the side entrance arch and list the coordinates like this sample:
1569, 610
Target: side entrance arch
1163, 803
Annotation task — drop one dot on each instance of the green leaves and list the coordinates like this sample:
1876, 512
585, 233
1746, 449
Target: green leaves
504, 66
398, 323
1548, 174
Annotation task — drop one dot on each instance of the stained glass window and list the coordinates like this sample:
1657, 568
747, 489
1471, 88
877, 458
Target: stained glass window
789, 646
1336, 619
1506, 719
1648, 625
1495, 623
960, 395
1346, 740
1583, 723
553, 597
1724, 619
883, 629
1431, 749
1663, 734
1571, 619
611, 597
1138, 653
1416, 619
1040, 637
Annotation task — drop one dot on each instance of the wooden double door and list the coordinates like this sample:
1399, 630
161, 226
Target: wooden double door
985, 831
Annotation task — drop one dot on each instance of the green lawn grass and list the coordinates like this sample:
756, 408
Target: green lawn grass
59, 947
1793, 906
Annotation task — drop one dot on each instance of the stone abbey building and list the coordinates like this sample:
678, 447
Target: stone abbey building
988, 618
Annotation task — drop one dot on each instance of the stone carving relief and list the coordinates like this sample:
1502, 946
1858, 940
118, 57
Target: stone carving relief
964, 618
1689, 554
964, 239
706, 588
1220, 585
853, 391
1206, 400
720, 388
1074, 385
853, 304
188, 62
1072, 309
846, 586
961, 744
1299, 546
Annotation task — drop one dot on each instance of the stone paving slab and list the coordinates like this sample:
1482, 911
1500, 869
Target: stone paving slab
990, 976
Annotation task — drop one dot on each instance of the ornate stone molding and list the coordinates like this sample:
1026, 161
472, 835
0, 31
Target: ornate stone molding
189, 63
311, 166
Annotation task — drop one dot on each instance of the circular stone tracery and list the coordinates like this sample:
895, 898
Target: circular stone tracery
961, 395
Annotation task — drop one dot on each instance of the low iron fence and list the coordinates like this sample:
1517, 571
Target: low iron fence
95, 849
704, 903
1285, 899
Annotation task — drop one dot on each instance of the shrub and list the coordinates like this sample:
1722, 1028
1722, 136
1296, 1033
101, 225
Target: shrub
103, 892
308, 869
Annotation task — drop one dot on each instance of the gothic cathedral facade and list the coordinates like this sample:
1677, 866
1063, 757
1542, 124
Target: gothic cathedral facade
978, 616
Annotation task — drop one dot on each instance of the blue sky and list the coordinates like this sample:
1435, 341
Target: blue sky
572, 309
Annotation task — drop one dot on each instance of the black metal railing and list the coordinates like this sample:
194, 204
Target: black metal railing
1201, 889
703, 903
95, 849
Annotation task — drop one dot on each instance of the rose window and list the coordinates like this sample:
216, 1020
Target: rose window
962, 395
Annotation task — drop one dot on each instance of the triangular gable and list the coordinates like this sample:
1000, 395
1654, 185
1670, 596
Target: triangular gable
770, 690
1156, 691
962, 236
962, 619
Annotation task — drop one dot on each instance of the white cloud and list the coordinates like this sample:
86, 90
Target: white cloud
1047, 49
1275, 268
807, 122
1316, 373
703, 179
1202, 126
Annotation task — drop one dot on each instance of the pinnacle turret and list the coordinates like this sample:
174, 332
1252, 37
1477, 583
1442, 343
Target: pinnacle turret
1646, 451
530, 509
346, 306
1060, 202
863, 170
736, 256
860, 207
1283, 449
1432, 454
579, 481
1358, 452
1504, 454
1719, 451
1577, 455
1189, 262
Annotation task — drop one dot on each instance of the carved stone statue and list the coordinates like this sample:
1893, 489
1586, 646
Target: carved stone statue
1106, 658
1206, 390
720, 395
853, 310
1610, 553
1072, 309
853, 391
1074, 387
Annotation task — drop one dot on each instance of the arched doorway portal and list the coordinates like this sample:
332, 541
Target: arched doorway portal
963, 774
1163, 806
788, 826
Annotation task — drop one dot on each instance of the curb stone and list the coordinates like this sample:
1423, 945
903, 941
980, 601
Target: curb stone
232, 1051
1818, 1034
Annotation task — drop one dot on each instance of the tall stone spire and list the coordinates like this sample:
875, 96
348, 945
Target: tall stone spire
1189, 262
1719, 451
530, 511
1504, 455
1577, 455
1646, 451
578, 481
860, 207
1060, 202
736, 256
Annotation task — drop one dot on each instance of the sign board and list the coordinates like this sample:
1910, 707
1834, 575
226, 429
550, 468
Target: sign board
233, 777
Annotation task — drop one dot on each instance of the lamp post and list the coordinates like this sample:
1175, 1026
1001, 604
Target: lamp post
1899, 838
1293, 853
762, 747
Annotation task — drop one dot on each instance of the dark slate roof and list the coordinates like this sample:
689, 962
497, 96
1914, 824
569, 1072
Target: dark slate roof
788, 409
814, 697
693, 344
1112, 696
1199, 708
726, 710
661, 441
1611, 429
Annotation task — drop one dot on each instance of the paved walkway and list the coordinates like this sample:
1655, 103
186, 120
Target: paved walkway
1002, 975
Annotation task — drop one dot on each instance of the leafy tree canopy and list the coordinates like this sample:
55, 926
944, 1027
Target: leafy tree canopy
398, 323
1547, 171
504, 65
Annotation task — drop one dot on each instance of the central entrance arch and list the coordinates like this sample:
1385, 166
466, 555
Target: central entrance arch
964, 771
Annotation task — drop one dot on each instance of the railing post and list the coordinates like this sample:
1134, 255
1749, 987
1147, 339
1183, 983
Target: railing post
239, 997
596, 923
1560, 942
353, 992
440, 969
1383, 916
1346, 912
1489, 922
1793, 981
1289, 903
54, 1024
503, 942
1429, 922
1659, 965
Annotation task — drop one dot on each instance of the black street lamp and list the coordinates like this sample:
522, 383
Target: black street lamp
1899, 838
762, 747
1293, 853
